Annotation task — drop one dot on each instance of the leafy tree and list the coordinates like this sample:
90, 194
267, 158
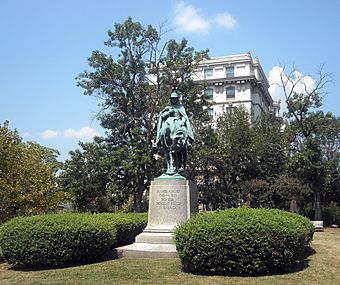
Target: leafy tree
236, 154
86, 177
133, 87
313, 146
27, 181
270, 147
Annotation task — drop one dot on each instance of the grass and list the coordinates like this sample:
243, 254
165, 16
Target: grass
322, 267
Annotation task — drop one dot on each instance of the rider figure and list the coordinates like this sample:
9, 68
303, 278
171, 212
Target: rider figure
174, 129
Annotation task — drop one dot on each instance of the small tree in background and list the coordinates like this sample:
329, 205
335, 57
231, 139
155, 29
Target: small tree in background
86, 177
313, 135
27, 177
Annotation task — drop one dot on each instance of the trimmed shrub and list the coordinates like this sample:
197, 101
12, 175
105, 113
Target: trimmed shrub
242, 241
123, 227
59, 239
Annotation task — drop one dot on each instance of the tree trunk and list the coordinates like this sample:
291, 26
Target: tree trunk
317, 206
138, 196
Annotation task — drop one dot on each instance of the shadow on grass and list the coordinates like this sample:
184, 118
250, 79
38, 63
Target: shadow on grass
109, 255
303, 262
300, 265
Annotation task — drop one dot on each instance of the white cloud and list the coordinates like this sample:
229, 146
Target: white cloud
187, 19
84, 133
301, 83
226, 20
50, 134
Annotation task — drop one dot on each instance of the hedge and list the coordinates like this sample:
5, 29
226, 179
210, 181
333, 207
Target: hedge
242, 241
123, 227
56, 240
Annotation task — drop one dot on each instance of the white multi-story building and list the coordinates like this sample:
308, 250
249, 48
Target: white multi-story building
234, 81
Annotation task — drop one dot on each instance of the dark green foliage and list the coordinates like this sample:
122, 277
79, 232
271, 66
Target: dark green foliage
53, 240
86, 178
133, 81
242, 241
331, 214
277, 193
123, 227
60, 239
229, 159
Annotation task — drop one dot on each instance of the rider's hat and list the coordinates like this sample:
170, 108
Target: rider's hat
174, 95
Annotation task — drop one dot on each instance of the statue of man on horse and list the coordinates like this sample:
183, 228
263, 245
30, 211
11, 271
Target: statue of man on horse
174, 134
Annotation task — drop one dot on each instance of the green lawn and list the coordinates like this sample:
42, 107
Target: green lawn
322, 267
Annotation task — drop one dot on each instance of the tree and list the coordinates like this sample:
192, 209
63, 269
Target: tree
27, 181
308, 130
86, 177
133, 88
234, 155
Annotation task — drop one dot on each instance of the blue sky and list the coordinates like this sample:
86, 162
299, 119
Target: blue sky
45, 45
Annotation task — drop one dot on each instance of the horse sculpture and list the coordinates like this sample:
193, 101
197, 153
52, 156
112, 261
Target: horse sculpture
174, 135
174, 145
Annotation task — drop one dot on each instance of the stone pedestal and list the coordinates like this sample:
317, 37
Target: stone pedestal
172, 201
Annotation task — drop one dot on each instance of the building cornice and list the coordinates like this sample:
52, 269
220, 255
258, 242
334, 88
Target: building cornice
224, 60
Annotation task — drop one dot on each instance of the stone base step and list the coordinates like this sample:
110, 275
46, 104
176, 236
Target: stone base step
147, 250
155, 237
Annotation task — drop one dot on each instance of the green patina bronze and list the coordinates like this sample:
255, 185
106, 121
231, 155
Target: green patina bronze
174, 135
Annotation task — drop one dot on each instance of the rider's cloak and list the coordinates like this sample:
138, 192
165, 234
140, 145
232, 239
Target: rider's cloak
187, 124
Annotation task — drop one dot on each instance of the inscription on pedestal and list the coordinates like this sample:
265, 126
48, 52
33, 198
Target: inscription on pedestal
172, 201
168, 199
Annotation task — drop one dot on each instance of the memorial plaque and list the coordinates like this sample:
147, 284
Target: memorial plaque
170, 203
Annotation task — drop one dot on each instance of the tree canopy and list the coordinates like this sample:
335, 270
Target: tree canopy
27, 176
235, 160
313, 136
133, 84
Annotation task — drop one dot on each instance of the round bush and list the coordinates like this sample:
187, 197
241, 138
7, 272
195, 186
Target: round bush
123, 226
60, 239
53, 240
242, 241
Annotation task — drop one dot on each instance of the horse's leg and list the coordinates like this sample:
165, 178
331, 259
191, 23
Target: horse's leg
167, 137
179, 159
184, 157
171, 168
178, 156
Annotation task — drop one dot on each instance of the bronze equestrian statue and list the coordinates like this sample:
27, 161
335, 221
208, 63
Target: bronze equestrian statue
174, 135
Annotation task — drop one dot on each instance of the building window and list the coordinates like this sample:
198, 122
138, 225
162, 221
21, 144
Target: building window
230, 71
208, 93
230, 92
230, 110
208, 72
211, 112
